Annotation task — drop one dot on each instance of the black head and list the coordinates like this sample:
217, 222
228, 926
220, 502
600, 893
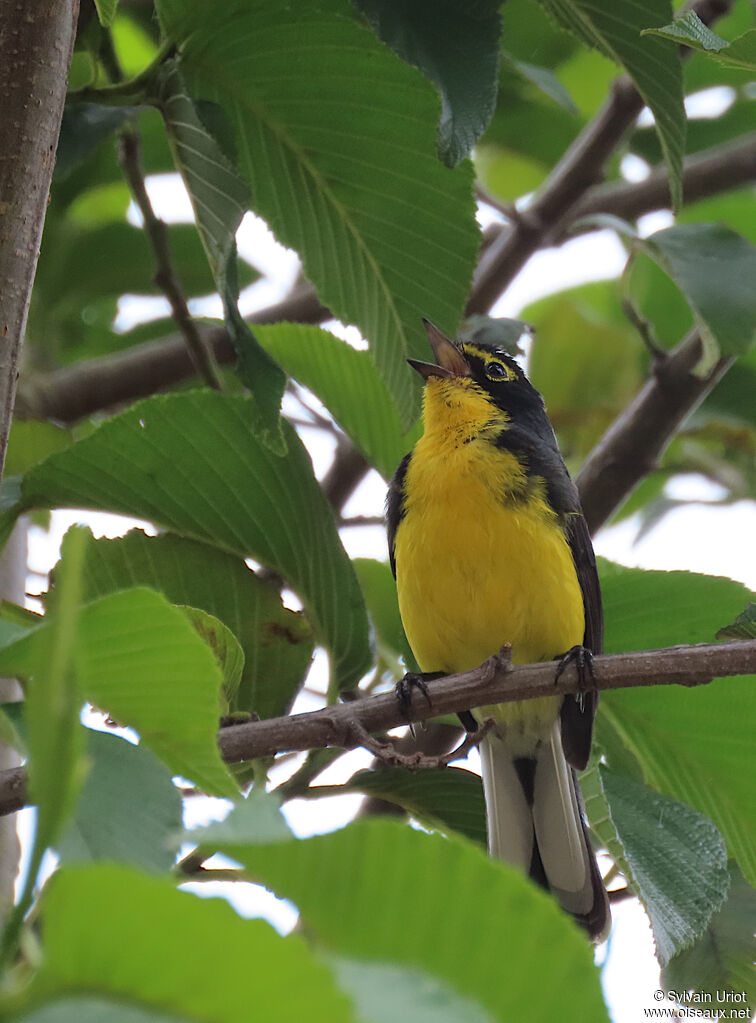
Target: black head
488, 367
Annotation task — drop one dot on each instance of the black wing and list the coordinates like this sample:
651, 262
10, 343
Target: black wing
536, 442
395, 506
579, 540
578, 715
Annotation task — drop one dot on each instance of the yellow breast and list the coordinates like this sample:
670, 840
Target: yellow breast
475, 570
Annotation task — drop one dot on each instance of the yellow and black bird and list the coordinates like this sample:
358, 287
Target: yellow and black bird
488, 545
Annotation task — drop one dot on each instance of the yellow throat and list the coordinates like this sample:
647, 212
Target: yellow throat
481, 558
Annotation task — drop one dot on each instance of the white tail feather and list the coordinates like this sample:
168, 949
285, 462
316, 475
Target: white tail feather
556, 816
553, 821
508, 816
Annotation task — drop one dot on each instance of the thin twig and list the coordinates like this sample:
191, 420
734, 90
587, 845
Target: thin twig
165, 275
165, 278
318, 420
362, 520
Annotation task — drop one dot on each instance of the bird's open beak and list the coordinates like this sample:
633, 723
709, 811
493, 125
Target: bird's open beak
450, 362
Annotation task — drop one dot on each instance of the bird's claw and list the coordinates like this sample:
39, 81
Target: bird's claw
403, 689
582, 658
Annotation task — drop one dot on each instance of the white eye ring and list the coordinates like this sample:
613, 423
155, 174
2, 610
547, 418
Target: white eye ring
496, 371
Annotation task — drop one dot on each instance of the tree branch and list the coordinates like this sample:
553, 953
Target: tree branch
37, 45
631, 447
580, 167
706, 173
555, 205
97, 385
495, 681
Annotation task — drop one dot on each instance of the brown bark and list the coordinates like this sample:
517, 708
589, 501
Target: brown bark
36, 42
495, 681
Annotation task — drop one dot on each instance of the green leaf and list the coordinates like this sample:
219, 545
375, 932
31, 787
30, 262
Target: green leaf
741, 53
695, 745
457, 49
507, 173
207, 955
713, 267
13, 727
344, 379
220, 199
507, 133
548, 83
112, 259
651, 62
219, 196
586, 365
224, 645
481, 928
135, 42
53, 734
83, 128
192, 463
495, 330
677, 859
94, 1010
690, 30
256, 819
138, 657
744, 626
128, 810
339, 158
735, 208
106, 11
721, 960
379, 589
30, 442
276, 642
450, 799
381, 992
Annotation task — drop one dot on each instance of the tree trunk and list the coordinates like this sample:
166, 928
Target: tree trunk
36, 42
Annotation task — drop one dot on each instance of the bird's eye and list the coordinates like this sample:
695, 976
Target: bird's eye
496, 371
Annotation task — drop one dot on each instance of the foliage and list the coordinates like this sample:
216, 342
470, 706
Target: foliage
356, 133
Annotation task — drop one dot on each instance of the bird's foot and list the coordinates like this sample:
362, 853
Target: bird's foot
385, 751
582, 658
403, 689
473, 738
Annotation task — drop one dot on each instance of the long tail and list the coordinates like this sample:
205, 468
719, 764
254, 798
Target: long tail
533, 806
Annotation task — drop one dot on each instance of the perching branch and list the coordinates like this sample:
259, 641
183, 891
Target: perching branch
495, 681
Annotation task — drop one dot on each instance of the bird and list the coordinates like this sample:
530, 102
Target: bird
489, 546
